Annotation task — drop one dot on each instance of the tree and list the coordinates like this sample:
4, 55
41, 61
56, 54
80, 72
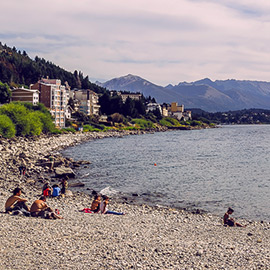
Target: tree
116, 118
34, 123
7, 128
129, 108
105, 104
5, 93
71, 103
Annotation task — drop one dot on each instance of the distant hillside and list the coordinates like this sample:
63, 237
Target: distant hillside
203, 94
17, 68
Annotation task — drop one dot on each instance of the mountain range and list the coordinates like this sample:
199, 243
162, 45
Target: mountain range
205, 94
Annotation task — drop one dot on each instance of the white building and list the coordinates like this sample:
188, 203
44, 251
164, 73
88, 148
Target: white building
87, 101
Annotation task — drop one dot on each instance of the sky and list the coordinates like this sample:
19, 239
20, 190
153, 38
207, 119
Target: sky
162, 41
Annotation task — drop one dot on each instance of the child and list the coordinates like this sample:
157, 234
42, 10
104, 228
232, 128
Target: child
56, 191
230, 221
47, 190
103, 207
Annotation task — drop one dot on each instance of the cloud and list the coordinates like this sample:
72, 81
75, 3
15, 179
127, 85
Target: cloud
163, 41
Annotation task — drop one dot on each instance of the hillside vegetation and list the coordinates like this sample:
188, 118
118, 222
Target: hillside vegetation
17, 68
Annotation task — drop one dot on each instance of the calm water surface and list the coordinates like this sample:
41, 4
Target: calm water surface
209, 169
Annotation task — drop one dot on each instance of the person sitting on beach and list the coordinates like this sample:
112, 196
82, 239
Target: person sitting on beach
56, 191
103, 207
47, 190
230, 221
15, 202
95, 206
39, 208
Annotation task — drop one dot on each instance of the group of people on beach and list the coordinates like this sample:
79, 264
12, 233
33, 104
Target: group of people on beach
55, 190
16, 204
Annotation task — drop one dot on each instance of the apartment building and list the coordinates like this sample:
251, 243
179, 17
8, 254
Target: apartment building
86, 101
25, 95
54, 96
153, 107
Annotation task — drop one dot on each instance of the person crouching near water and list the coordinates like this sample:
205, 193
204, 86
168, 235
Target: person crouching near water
64, 184
230, 221
95, 206
39, 208
103, 207
16, 202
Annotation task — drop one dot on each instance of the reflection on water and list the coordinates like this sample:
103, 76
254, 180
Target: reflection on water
209, 169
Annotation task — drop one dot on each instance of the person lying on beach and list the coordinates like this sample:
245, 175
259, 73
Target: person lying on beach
39, 208
104, 204
15, 202
95, 206
230, 221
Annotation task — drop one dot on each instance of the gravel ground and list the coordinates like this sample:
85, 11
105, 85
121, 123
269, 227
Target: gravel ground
145, 238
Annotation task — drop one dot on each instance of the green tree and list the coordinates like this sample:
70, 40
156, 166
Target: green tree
7, 128
129, 108
5, 93
105, 104
35, 124
18, 114
47, 122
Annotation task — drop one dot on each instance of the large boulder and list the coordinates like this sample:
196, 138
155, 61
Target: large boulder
64, 171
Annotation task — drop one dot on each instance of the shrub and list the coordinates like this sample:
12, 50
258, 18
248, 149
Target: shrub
116, 118
67, 130
18, 114
195, 123
130, 128
142, 123
169, 122
90, 128
7, 128
56, 131
47, 122
35, 124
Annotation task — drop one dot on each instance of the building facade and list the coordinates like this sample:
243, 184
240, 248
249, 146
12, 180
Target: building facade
54, 96
153, 107
25, 95
178, 112
86, 101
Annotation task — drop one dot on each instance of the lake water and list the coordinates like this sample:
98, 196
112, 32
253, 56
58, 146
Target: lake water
208, 169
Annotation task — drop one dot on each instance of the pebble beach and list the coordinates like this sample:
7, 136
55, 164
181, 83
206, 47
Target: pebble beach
144, 238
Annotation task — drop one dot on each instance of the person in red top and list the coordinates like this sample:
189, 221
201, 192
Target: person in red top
47, 190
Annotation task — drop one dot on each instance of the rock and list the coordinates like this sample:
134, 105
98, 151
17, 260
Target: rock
68, 193
199, 252
78, 184
64, 171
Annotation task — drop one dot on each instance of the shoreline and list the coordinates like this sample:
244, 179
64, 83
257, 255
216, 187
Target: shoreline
145, 238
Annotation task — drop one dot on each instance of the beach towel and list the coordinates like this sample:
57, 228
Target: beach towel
87, 210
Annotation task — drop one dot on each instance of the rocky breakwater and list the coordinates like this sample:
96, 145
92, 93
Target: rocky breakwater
34, 153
